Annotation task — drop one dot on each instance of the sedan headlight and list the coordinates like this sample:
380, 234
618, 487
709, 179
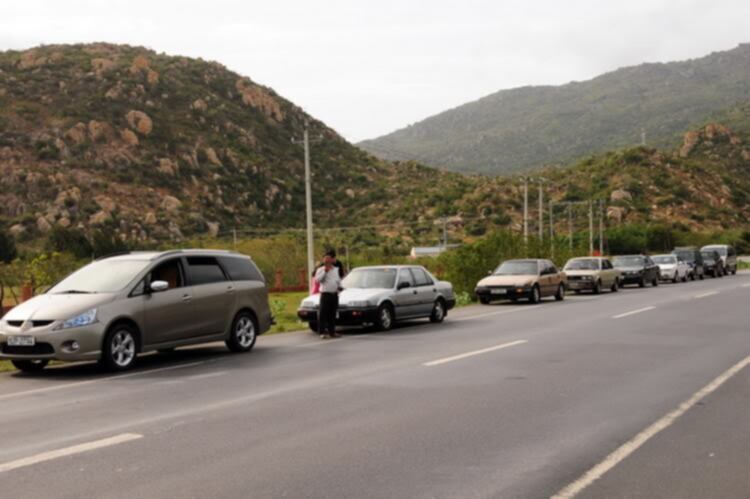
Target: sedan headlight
587, 277
80, 320
309, 304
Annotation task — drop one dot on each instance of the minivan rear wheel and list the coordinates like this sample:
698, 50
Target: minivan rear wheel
30, 366
243, 334
120, 348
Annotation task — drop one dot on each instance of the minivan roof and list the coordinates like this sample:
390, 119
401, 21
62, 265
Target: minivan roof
155, 255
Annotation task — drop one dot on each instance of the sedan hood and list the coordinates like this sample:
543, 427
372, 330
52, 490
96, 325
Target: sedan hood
577, 273
57, 307
630, 269
508, 280
349, 296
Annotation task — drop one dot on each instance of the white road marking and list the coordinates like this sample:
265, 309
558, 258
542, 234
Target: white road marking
69, 451
633, 312
746, 285
475, 352
97, 380
207, 375
704, 295
499, 312
644, 436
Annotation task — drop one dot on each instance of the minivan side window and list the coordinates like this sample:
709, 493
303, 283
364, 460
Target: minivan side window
205, 270
241, 269
170, 272
420, 278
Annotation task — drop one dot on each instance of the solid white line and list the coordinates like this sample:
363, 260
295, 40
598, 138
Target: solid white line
704, 295
633, 312
746, 285
97, 380
475, 352
69, 451
207, 375
631, 446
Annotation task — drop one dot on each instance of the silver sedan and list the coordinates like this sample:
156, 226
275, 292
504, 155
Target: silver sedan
380, 296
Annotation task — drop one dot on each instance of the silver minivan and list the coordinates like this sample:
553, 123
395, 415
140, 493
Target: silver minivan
117, 307
728, 256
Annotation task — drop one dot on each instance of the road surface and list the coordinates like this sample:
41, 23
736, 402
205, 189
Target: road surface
641, 393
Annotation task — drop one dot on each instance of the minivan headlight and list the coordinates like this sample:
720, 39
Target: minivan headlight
80, 320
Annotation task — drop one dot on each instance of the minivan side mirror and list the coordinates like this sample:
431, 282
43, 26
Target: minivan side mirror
158, 286
404, 285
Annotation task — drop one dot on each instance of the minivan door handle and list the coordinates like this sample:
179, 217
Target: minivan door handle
230, 289
186, 298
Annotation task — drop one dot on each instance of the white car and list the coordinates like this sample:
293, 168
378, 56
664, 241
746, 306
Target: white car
672, 268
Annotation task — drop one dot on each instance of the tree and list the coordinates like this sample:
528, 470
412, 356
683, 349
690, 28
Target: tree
68, 240
8, 251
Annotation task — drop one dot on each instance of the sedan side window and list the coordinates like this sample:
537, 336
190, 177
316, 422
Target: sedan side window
420, 278
405, 277
205, 270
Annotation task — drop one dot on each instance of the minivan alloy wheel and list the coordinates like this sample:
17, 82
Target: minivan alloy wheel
244, 330
122, 348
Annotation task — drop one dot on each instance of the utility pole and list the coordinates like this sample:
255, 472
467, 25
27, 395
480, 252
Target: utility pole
541, 210
570, 226
445, 232
591, 227
551, 230
643, 137
308, 202
234, 238
601, 228
525, 210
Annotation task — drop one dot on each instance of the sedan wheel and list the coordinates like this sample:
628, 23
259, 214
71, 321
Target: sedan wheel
385, 318
615, 286
120, 348
535, 296
243, 335
438, 312
560, 295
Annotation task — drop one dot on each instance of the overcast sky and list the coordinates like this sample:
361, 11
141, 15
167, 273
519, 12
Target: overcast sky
368, 67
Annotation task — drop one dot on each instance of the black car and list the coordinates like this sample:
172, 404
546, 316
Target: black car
694, 259
637, 269
712, 263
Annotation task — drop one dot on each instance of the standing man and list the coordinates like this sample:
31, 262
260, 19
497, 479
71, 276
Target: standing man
329, 278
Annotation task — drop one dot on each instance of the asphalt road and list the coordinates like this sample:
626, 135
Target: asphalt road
597, 396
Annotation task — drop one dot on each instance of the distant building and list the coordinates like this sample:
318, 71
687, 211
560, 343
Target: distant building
430, 251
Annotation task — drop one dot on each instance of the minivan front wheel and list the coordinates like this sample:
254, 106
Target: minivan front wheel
120, 348
30, 366
244, 333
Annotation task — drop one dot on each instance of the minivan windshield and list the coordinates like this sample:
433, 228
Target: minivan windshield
583, 264
370, 279
664, 259
516, 267
721, 250
104, 276
628, 261
708, 255
687, 255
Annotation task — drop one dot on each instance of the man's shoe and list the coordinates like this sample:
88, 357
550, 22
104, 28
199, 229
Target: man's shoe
335, 335
324, 336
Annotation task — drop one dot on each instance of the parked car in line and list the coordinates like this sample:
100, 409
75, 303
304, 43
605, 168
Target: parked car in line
672, 268
531, 279
693, 258
637, 269
591, 274
115, 308
728, 256
713, 263
382, 295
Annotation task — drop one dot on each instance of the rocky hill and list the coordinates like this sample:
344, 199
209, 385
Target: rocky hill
156, 147
525, 128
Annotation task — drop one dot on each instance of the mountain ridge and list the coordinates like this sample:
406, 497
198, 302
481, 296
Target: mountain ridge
532, 126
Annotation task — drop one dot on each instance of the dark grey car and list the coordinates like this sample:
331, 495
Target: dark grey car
115, 308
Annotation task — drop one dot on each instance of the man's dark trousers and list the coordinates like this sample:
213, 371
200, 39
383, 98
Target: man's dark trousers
329, 304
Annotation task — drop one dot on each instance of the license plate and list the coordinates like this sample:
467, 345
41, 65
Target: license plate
21, 341
499, 291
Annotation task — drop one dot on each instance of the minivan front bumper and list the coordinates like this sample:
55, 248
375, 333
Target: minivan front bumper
54, 345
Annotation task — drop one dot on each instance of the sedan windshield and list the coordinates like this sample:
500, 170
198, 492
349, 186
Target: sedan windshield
666, 259
370, 279
105, 276
585, 264
517, 268
628, 261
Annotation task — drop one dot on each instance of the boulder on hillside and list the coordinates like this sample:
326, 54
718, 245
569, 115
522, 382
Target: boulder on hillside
171, 204
129, 137
77, 133
689, 141
199, 105
212, 157
99, 218
140, 122
257, 97
167, 167
16, 230
620, 195
101, 65
99, 130
106, 203
43, 225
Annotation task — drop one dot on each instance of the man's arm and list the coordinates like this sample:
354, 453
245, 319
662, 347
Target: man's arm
320, 275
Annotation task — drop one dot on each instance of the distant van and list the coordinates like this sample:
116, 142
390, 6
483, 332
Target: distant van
728, 256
